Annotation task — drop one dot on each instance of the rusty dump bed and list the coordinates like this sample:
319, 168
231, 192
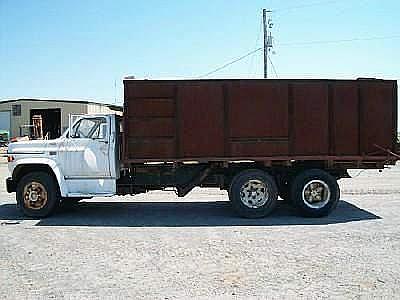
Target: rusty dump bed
272, 121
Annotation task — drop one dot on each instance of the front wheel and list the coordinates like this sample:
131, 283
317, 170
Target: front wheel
253, 193
37, 194
314, 193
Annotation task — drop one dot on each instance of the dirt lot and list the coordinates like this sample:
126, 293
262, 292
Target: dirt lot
157, 246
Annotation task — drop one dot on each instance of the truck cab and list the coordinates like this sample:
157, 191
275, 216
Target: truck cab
82, 163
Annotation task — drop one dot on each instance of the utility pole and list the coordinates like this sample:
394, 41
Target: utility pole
267, 24
265, 43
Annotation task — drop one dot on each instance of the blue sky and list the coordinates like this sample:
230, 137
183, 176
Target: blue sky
79, 49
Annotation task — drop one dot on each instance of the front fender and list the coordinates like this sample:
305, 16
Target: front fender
47, 162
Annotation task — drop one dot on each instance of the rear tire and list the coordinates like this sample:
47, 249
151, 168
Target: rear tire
314, 193
253, 193
37, 194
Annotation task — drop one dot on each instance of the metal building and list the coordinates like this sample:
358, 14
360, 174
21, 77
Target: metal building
16, 116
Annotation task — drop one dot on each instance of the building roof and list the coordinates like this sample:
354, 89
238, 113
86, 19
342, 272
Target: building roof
110, 106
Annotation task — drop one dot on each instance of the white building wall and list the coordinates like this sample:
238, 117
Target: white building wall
66, 108
94, 108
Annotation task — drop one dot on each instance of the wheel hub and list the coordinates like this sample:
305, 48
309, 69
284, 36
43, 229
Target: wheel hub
316, 194
254, 193
35, 195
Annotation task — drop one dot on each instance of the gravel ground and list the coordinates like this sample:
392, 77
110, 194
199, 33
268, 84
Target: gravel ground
156, 246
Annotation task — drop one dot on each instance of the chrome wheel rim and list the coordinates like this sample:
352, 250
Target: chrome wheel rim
35, 195
254, 193
316, 194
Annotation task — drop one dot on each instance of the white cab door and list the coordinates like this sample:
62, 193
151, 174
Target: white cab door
87, 149
85, 157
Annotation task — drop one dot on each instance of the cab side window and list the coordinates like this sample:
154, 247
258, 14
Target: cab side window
93, 128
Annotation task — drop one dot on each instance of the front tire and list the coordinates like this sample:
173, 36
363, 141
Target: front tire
314, 193
37, 194
253, 193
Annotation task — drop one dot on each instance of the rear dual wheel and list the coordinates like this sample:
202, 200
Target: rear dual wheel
314, 193
253, 193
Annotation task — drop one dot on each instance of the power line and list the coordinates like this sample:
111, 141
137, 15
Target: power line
231, 62
251, 67
273, 67
342, 41
300, 44
307, 5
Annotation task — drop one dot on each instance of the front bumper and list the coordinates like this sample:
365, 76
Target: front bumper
11, 185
